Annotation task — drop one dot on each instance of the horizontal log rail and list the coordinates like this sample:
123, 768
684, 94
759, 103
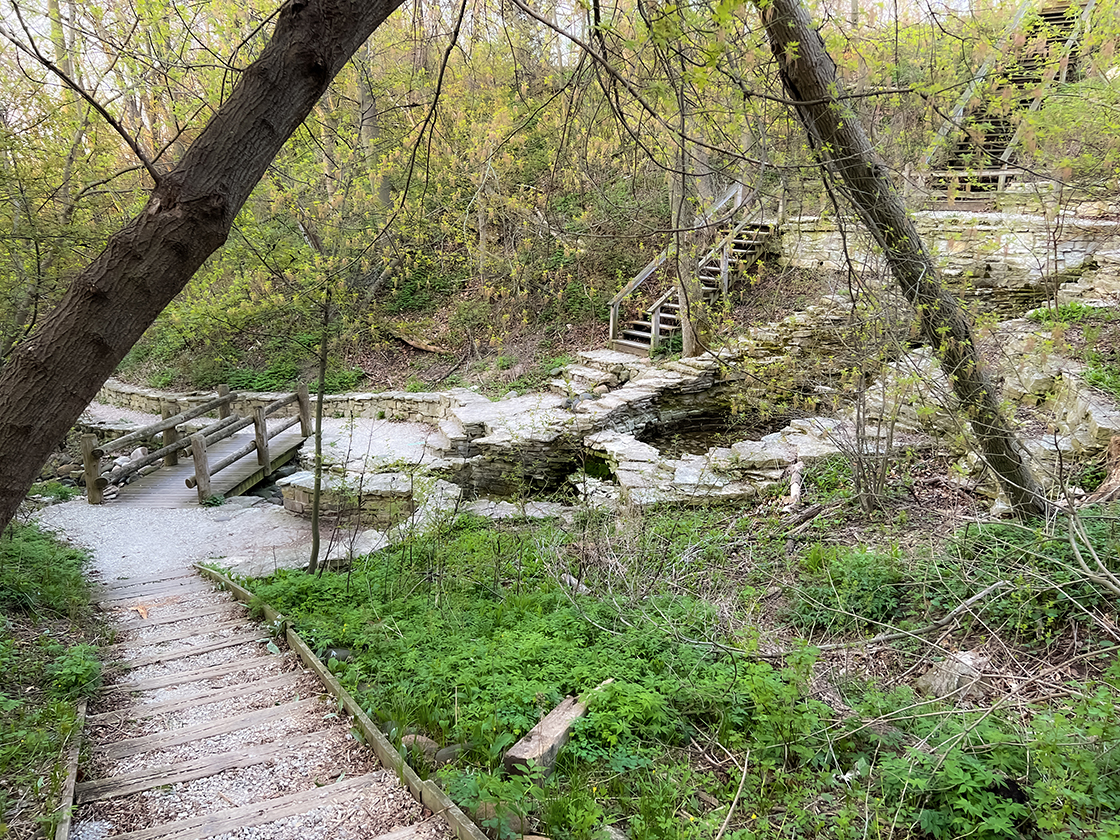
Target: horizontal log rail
204, 471
220, 403
228, 423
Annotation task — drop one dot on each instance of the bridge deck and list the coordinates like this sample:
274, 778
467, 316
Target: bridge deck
167, 488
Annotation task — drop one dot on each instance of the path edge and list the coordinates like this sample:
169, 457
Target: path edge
427, 793
65, 808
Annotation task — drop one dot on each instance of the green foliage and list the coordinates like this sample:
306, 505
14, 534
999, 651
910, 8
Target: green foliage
463, 635
1073, 312
831, 477
1104, 375
41, 578
1049, 588
44, 668
422, 284
214, 501
55, 490
75, 673
981, 775
849, 588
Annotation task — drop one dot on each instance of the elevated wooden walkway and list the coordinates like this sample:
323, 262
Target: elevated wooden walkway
167, 486
227, 457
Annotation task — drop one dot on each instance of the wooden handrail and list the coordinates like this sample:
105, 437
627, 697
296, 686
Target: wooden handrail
213, 433
659, 260
163, 425
736, 189
213, 469
226, 426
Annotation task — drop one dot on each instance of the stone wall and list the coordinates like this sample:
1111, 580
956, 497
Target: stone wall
993, 250
389, 405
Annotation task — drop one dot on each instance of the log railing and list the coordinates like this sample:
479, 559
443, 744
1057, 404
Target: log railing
204, 470
227, 424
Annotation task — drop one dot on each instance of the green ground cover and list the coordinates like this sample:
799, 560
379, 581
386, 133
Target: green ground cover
47, 664
466, 635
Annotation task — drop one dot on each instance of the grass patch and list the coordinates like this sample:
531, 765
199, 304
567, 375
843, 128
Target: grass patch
46, 666
465, 635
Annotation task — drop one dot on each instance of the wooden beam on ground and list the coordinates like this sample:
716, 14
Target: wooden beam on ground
213, 672
258, 813
211, 729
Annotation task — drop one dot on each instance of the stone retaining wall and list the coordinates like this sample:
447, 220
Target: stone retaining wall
389, 405
996, 250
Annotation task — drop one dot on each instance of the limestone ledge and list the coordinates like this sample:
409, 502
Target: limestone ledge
389, 405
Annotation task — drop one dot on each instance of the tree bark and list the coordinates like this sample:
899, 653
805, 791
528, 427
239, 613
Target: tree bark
809, 76
53, 375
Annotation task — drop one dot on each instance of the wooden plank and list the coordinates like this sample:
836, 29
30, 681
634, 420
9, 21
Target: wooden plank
224, 670
183, 653
210, 729
169, 574
214, 609
66, 799
140, 711
97, 790
178, 635
257, 813
151, 598
153, 590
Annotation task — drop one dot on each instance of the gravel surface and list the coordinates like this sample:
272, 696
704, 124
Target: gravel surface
316, 744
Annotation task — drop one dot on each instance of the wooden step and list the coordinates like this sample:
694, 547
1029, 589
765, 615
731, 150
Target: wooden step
201, 731
96, 790
258, 813
634, 348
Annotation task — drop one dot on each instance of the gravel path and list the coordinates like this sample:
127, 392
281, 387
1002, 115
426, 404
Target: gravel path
189, 739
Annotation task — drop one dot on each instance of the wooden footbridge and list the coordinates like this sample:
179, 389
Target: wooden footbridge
226, 457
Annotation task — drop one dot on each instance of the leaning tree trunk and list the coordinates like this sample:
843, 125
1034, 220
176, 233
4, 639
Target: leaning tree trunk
809, 76
52, 376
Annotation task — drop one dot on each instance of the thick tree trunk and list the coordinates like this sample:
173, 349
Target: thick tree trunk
53, 375
809, 76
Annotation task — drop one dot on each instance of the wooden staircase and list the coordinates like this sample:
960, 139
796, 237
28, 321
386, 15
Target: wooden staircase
738, 248
984, 137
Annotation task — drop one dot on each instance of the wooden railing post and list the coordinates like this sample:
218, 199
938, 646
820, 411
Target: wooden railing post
614, 321
223, 409
654, 329
201, 467
304, 409
260, 431
92, 463
170, 435
725, 265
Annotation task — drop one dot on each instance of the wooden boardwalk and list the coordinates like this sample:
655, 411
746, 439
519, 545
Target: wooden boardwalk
208, 727
167, 486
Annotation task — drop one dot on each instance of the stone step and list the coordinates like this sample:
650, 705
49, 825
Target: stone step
594, 375
687, 369
610, 360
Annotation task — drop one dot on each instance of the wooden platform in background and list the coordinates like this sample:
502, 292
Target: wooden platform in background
167, 488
